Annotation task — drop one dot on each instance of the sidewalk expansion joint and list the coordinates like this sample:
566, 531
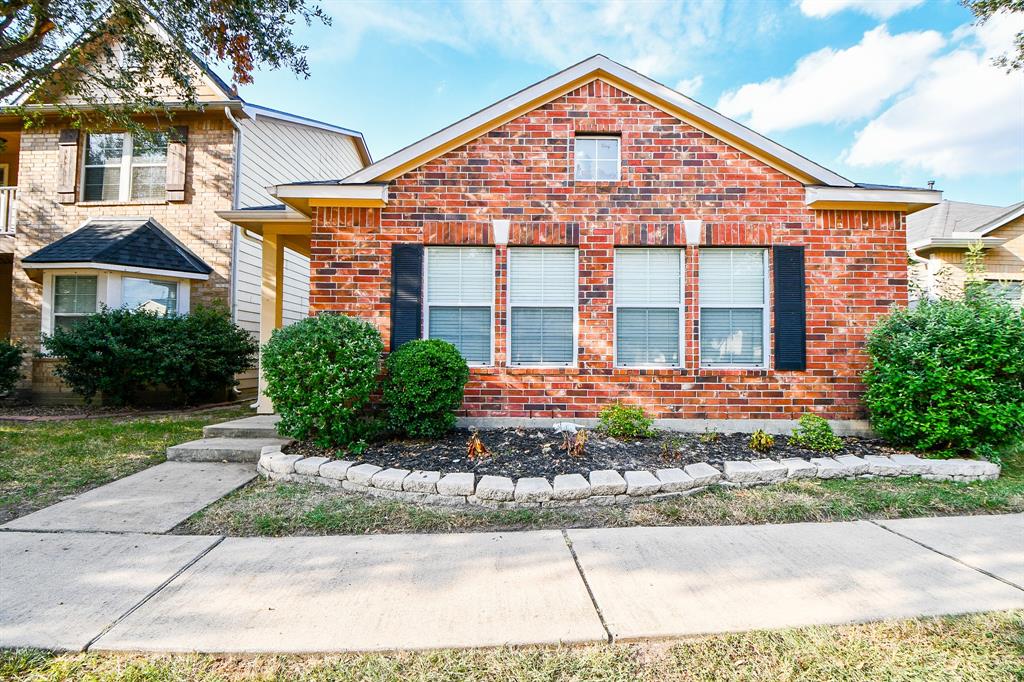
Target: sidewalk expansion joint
586, 584
950, 556
159, 588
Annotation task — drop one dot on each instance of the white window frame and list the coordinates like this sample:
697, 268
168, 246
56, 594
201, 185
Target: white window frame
575, 310
124, 191
618, 156
615, 307
425, 332
109, 290
765, 307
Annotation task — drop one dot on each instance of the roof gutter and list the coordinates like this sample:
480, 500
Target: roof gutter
863, 198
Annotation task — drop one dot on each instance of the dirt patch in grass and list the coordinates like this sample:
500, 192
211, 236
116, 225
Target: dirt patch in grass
42, 462
980, 648
541, 452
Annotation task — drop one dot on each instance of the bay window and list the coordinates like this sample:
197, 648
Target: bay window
733, 307
460, 300
74, 297
542, 306
648, 306
158, 296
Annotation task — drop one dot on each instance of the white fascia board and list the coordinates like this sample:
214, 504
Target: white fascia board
597, 65
927, 197
288, 215
255, 111
115, 268
375, 192
999, 221
955, 242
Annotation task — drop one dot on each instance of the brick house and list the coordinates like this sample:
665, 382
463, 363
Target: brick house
95, 218
598, 237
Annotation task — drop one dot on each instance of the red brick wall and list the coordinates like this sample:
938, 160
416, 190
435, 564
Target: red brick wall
523, 172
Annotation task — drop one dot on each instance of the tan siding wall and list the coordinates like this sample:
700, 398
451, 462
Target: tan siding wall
1005, 261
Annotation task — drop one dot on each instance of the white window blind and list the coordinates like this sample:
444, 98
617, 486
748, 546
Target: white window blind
733, 310
460, 299
648, 303
542, 301
597, 158
74, 297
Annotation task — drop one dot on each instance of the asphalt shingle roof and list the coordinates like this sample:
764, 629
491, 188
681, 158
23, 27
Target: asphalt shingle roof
942, 220
136, 242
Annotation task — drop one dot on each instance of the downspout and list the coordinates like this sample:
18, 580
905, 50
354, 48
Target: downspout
927, 263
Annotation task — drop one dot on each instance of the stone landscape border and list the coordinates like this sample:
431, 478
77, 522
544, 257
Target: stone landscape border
599, 488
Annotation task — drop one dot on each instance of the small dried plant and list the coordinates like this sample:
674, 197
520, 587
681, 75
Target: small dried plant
761, 441
575, 443
670, 449
710, 435
475, 448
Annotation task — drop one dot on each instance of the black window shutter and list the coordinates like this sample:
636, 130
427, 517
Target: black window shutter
790, 308
406, 292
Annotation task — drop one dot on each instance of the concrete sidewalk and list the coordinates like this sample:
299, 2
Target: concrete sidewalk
330, 594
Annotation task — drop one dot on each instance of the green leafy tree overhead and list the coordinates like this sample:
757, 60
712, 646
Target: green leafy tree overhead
984, 10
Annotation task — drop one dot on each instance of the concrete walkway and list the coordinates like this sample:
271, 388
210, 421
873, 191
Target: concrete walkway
154, 500
325, 594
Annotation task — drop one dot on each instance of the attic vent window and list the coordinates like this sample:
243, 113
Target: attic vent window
597, 158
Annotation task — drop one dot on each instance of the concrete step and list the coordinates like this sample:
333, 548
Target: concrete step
260, 426
222, 449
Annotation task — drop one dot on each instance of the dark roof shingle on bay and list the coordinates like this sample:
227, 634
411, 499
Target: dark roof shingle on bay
134, 242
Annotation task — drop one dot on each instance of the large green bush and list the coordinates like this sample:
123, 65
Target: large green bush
320, 374
124, 354
423, 387
10, 364
948, 375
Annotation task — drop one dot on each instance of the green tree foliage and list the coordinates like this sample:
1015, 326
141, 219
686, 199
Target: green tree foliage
985, 10
949, 375
320, 374
424, 386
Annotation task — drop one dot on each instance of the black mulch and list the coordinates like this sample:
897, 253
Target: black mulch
539, 452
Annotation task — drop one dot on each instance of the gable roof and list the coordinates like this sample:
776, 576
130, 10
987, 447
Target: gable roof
958, 220
636, 84
122, 242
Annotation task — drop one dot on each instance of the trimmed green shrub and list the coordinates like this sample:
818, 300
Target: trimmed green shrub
626, 421
423, 387
948, 375
320, 374
815, 433
125, 353
761, 441
11, 353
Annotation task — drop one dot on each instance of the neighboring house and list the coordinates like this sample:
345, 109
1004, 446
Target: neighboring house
599, 237
100, 218
940, 237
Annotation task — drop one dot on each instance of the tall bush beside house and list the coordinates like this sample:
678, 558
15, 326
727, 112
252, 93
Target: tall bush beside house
424, 386
122, 354
948, 376
11, 353
320, 374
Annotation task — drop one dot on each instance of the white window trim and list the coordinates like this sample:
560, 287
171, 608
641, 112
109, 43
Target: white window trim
765, 307
109, 288
682, 309
618, 156
124, 190
575, 311
425, 332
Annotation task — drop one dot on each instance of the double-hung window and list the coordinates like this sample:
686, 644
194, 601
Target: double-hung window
542, 302
597, 158
460, 299
74, 297
648, 307
733, 307
121, 167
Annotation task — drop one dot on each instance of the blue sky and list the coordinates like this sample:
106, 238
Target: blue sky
885, 91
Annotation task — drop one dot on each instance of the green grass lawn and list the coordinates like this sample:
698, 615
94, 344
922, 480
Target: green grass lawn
980, 648
265, 508
42, 462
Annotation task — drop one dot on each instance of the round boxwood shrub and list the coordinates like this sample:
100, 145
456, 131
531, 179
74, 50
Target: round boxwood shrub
948, 376
320, 374
423, 387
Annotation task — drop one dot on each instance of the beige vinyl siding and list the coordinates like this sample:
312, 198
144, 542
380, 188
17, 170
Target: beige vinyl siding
276, 151
1003, 262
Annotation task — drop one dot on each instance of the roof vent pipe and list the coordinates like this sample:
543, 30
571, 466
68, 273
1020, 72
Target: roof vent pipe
931, 184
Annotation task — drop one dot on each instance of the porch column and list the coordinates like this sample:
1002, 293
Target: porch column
271, 316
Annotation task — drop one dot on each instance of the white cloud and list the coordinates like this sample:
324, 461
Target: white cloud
689, 86
880, 9
963, 115
835, 86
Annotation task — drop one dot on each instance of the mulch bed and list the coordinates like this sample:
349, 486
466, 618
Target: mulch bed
539, 452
